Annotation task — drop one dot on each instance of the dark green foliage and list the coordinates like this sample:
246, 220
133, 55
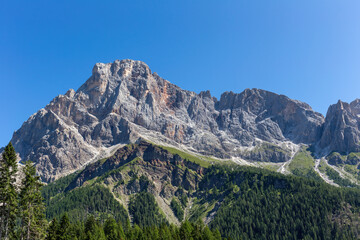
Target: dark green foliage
21, 212
177, 209
273, 206
186, 230
82, 201
8, 194
144, 210
90, 224
311, 174
32, 218
57, 187
112, 230
181, 194
184, 200
93, 230
335, 176
144, 183
247, 203
53, 230
64, 228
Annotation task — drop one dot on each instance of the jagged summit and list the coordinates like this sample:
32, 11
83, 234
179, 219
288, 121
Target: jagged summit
342, 128
124, 101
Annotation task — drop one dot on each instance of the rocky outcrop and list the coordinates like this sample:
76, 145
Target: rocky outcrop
124, 101
342, 128
256, 113
142, 167
267, 153
337, 159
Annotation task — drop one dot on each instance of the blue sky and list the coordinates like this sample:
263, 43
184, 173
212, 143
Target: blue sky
308, 50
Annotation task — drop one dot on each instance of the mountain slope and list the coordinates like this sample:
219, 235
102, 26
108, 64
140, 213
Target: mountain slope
124, 101
155, 185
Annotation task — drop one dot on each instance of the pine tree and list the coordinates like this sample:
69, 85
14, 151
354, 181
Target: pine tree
32, 208
92, 230
217, 234
8, 192
121, 231
186, 230
207, 234
53, 229
63, 231
111, 229
90, 226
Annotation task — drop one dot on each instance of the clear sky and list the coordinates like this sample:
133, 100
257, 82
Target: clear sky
308, 50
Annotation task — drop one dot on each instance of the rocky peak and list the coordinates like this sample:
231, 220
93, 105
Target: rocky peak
293, 119
122, 68
107, 77
355, 107
124, 101
342, 128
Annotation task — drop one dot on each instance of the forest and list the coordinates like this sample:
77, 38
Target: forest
251, 203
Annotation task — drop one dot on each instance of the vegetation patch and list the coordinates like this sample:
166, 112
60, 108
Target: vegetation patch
335, 176
322, 166
57, 187
177, 209
353, 170
303, 165
269, 166
82, 201
145, 211
188, 157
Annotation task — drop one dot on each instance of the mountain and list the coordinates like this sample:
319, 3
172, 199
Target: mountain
131, 145
124, 101
148, 185
342, 128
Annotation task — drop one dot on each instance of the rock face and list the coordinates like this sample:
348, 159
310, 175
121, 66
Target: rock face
124, 101
143, 165
342, 128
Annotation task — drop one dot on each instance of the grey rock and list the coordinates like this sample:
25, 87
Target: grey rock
267, 153
341, 131
124, 101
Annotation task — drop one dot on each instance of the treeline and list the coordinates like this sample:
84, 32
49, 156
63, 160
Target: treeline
93, 229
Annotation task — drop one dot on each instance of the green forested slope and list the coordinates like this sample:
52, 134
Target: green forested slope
81, 202
241, 202
260, 205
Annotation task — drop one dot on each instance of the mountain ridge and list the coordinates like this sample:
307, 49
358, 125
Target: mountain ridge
124, 101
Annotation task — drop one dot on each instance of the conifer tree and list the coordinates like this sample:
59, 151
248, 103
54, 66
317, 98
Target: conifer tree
186, 230
121, 231
32, 208
53, 229
111, 229
93, 231
8, 193
90, 226
63, 231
